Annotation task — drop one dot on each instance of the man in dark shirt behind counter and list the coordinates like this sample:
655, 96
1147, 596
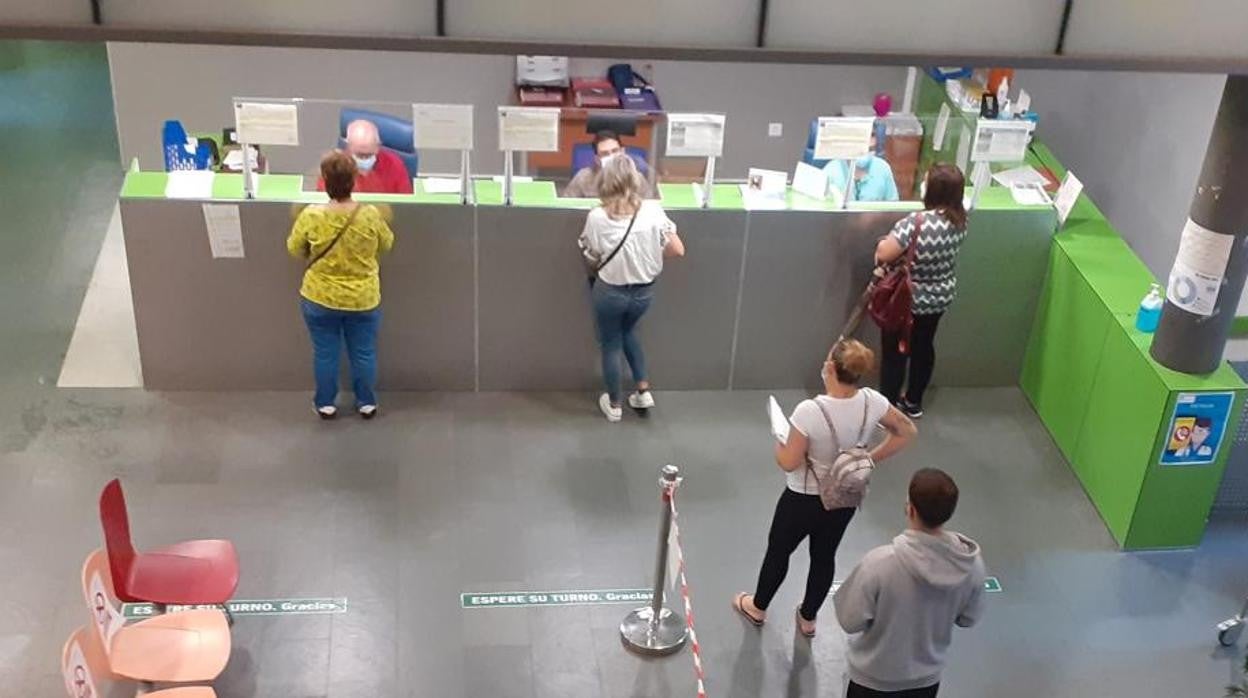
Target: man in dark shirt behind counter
584, 184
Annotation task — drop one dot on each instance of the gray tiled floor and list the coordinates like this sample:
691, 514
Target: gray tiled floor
451, 493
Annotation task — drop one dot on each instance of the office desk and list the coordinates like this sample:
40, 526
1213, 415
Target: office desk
572, 121
494, 297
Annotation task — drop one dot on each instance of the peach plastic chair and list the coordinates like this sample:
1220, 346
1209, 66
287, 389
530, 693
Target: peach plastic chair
182, 647
83, 663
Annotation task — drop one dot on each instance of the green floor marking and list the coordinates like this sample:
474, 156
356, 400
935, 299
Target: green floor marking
249, 607
992, 585
578, 597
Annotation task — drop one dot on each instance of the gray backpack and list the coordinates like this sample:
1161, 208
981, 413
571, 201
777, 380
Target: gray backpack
843, 483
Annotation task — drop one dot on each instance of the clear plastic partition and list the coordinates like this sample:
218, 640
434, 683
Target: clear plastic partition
840, 157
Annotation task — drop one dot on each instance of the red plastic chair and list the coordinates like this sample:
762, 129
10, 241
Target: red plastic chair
192, 572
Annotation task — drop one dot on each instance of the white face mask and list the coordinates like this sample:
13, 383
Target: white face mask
365, 164
604, 159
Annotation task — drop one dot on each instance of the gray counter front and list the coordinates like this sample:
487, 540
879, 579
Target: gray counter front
495, 298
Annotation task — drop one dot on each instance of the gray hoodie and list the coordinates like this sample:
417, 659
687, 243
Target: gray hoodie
904, 599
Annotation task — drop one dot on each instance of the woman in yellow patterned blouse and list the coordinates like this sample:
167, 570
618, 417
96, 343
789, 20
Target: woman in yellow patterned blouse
342, 242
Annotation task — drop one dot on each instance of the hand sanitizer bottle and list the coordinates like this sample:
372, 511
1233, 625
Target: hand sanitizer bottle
1150, 310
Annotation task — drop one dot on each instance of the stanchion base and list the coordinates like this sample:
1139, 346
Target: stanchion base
665, 637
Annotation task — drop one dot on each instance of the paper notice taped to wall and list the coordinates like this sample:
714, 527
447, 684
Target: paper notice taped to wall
1196, 277
225, 230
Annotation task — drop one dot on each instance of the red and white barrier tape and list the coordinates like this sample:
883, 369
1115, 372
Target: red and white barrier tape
684, 593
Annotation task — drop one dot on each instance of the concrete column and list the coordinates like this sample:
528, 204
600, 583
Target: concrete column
1192, 342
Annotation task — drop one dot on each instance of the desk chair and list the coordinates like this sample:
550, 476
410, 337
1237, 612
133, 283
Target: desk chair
396, 135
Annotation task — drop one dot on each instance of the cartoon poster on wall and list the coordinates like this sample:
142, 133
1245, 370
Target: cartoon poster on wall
1197, 428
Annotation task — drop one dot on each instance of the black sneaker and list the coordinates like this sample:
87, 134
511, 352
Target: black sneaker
910, 409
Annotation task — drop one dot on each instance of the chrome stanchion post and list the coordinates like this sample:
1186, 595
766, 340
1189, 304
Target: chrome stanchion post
655, 630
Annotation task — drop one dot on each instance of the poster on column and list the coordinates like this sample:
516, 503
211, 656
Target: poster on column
1197, 428
1196, 276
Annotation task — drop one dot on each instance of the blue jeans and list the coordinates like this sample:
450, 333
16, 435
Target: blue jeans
328, 328
617, 309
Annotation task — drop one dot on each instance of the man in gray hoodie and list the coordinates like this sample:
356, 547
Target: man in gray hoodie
901, 602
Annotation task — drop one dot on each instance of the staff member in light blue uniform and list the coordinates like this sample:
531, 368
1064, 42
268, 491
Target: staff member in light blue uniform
873, 177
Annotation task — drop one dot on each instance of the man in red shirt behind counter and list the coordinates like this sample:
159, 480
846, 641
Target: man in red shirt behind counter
379, 170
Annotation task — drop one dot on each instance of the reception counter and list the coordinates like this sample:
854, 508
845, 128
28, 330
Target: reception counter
494, 297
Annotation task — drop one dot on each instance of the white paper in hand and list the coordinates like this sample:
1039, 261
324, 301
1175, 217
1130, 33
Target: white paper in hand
779, 423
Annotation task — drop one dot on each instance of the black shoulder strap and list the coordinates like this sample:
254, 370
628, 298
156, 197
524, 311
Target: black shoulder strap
620, 246
341, 231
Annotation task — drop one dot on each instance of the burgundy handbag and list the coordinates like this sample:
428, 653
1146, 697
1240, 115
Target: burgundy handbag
891, 297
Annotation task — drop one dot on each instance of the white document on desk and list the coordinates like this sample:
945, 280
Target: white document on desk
440, 185
1020, 177
1030, 195
811, 181
779, 423
225, 230
528, 129
267, 123
189, 184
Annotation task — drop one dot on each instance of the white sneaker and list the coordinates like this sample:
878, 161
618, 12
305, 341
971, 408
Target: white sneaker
641, 400
613, 414
327, 412
368, 411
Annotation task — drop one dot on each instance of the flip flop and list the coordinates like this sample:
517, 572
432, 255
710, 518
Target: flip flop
800, 620
738, 605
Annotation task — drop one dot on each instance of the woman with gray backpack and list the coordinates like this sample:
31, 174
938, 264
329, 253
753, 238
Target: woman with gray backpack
828, 463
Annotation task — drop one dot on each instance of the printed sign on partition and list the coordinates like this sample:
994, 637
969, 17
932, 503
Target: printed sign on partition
1196, 277
442, 126
1001, 141
843, 137
695, 135
267, 123
1197, 428
528, 129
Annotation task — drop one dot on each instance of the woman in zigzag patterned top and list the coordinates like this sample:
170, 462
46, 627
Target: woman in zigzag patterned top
935, 281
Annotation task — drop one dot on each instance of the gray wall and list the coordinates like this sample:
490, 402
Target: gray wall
154, 82
1136, 141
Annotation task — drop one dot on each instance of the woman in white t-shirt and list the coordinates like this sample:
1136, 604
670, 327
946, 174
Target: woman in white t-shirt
800, 513
624, 242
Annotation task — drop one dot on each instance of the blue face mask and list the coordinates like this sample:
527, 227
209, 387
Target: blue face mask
365, 164
863, 162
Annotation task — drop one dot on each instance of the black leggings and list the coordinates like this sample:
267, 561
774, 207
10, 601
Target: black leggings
922, 359
859, 691
798, 516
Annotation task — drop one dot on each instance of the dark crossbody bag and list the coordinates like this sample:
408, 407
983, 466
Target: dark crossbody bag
593, 277
341, 231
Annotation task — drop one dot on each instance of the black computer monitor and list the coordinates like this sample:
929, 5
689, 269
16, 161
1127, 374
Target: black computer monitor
621, 124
